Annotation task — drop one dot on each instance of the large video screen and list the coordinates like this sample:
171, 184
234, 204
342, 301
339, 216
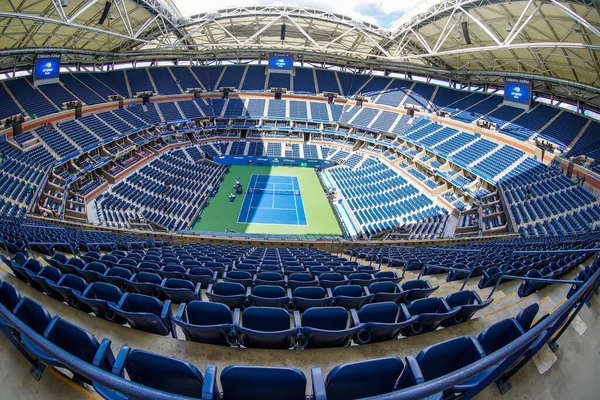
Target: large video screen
282, 63
517, 93
46, 69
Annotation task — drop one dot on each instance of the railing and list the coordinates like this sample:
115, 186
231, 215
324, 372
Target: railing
503, 363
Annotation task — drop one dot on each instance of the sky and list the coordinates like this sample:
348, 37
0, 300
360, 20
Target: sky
381, 12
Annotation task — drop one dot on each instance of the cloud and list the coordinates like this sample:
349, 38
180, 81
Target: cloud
381, 12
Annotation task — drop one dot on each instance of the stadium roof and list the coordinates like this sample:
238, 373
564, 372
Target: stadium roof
557, 43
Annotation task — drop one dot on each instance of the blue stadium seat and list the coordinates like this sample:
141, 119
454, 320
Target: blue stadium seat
180, 290
232, 294
351, 296
97, 295
9, 298
385, 321
418, 289
66, 286
265, 327
432, 312
469, 303
145, 283
159, 372
304, 298
329, 280
205, 322
242, 277
327, 327
499, 335
300, 279
74, 340
359, 379
387, 291
270, 278
202, 276
143, 312
93, 271
441, 359
262, 383
268, 296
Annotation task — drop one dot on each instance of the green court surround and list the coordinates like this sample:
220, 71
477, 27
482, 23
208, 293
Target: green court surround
221, 214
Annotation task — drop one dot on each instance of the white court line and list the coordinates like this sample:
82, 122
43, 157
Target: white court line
281, 209
296, 203
251, 198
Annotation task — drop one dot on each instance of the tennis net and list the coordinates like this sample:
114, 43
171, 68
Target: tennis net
274, 192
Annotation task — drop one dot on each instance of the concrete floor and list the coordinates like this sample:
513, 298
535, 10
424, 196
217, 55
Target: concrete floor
570, 376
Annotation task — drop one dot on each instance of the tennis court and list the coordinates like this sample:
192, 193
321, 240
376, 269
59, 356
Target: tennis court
273, 200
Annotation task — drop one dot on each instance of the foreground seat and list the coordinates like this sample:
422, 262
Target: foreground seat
205, 322
66, 286
417, 289
74, 340
358, 380
387, 291
441, 359
262, 383
159, 372
96, 296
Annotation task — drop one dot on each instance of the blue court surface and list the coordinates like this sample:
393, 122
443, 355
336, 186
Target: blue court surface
273, 200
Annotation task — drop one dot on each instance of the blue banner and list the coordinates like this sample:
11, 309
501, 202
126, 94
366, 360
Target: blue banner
517, 93
46, 69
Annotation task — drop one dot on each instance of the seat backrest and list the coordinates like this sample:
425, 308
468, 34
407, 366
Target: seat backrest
9, 296
385, 312
164, 373
72, 338
32, 314
73, 281
331, 276
422, 306
526, 317
175, 283
363, 379
312, 292
269, 291
239, 275
120, 272
136, 302
148, 277
263, 383
149, 265
499, 335
269, 276
416, 284
461, 298
268, 319
300, 277
207, 313
348, 290
326, 318
448, 356
228, 288
105, 291
383, 287
95, 266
